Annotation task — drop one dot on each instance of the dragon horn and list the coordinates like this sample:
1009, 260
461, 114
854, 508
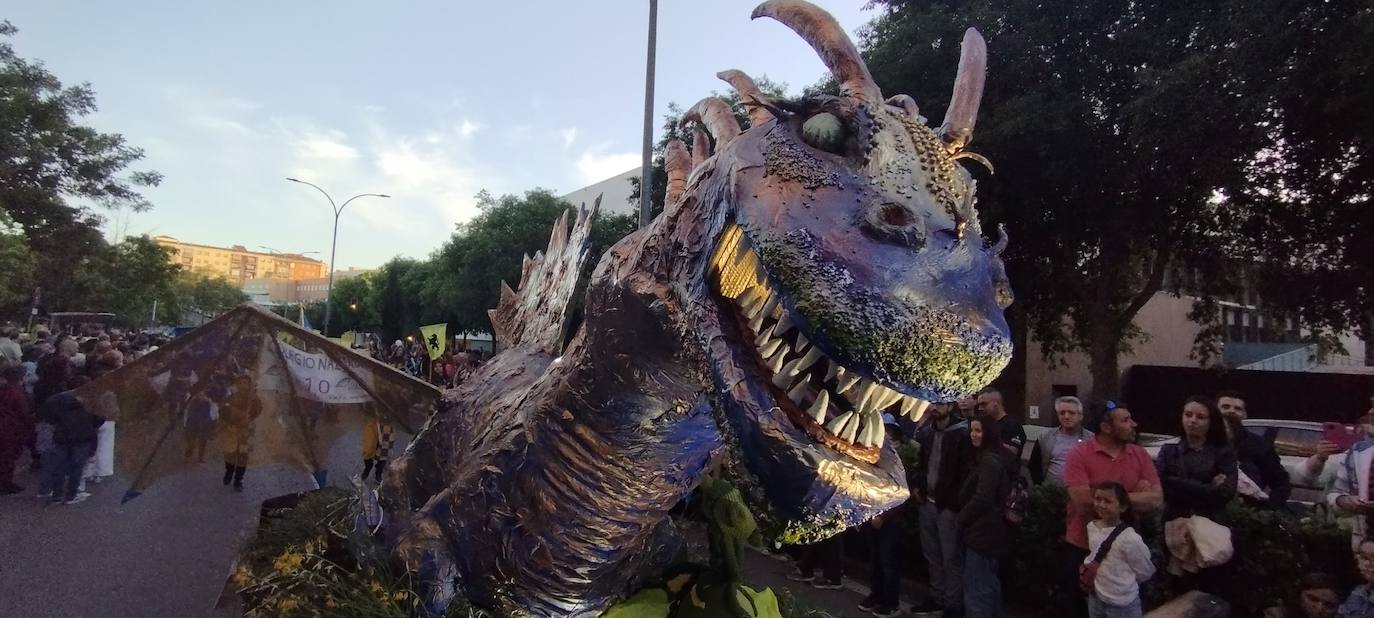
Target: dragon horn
717, 117
825, 35
701, 147
748, 91
968, 91
678, 164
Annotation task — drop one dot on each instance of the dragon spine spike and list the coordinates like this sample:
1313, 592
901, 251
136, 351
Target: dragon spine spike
717, 117
701, 147
907, 104
678, 164
824, 34
748, 91
537, 313
968, 91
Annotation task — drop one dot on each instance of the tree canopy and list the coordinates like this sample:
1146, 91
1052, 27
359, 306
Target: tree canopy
1132, 139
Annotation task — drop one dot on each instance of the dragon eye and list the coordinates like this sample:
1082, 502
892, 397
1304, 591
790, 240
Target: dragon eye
824, 131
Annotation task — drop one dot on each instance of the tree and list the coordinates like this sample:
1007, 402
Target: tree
198, 293
353, 304
1118, 129
16, 262
463, 278
48, 160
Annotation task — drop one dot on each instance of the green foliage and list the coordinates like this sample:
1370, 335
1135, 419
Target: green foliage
353, 304
1042, 534
17, 262
789, 607
647, 603
209, 296
53, 165
1115, 125
1274, 551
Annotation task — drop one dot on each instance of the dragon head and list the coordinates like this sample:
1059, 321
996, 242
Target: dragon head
847, 272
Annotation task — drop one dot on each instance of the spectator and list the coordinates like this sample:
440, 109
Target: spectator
982, 518
1315, 597
1263, 481
1124, 563
828, 556
53, 374
73, 437
379, 436
941, 463
1361, 600
1199, 471
1351, 492
1111, 455
16, 425
885, 549
1052, 448
10, 353
1314, 472
236, 430
1013, 434
201, 415
967, 408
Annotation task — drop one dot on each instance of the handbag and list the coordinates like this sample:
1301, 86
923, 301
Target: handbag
1087, 572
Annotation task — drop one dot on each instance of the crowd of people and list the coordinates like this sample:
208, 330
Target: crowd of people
448, 370
969, 486
67, 445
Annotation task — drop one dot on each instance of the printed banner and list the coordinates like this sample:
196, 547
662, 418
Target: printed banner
433, 336
317, 377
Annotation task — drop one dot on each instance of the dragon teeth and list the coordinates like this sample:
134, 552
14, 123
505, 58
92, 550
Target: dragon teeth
838, 423
757, 323
784, 324
818, 407
851, 428
776, 361
846, 381
770, 306
748, 300
908, 404
769, 348
863, 397
763, 338
798, 392
809, 359
802, 342
832, 370
782, 381
920, 410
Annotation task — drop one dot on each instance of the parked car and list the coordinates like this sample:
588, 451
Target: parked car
1295, 441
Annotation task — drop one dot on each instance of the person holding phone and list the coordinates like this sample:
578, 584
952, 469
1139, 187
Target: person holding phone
1350, 492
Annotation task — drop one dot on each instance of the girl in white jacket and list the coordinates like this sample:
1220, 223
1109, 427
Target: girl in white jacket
1123, 563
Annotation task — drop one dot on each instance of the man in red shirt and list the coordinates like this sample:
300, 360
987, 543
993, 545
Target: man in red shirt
1112, 455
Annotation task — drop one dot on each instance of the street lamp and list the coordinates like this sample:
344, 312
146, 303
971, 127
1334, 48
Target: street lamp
334, 245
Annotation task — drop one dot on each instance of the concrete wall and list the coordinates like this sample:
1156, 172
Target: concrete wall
1169, 342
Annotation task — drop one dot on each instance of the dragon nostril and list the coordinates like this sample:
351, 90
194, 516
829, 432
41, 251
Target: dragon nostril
894, 215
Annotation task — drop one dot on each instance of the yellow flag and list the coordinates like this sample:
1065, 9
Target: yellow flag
433, 336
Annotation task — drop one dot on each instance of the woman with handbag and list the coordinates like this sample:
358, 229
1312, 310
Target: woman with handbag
1199, 475
1118, 559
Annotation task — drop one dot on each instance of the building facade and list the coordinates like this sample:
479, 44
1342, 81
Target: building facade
614, 192
268, 291
239, 265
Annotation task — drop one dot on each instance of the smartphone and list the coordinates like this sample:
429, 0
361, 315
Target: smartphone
1340, 435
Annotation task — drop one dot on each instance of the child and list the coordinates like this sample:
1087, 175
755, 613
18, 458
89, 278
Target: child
1118, 555
378, 438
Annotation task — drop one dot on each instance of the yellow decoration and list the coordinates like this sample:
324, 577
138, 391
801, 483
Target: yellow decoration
433, 337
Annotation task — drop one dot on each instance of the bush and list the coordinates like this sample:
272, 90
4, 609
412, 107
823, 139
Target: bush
1037, 547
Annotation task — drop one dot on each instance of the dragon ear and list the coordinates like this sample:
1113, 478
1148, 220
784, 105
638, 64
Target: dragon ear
748, 91
957, 129
825, 35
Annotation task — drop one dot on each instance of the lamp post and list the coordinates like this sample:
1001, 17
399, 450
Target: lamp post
334, 245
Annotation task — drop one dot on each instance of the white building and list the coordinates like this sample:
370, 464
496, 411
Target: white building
614, 191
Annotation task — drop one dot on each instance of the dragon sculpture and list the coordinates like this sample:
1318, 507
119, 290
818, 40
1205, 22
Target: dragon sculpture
806, 275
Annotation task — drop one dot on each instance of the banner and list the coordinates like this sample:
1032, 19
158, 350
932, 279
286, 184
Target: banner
317, 377
433, 336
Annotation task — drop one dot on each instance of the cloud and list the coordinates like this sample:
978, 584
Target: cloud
467, 128
594, 165
321, 147
569, 135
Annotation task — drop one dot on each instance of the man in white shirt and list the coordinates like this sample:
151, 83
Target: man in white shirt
1350, 492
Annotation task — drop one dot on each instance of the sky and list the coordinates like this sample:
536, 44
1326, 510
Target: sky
427, 101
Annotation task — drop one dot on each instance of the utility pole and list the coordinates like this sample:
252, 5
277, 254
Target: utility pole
646, 183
